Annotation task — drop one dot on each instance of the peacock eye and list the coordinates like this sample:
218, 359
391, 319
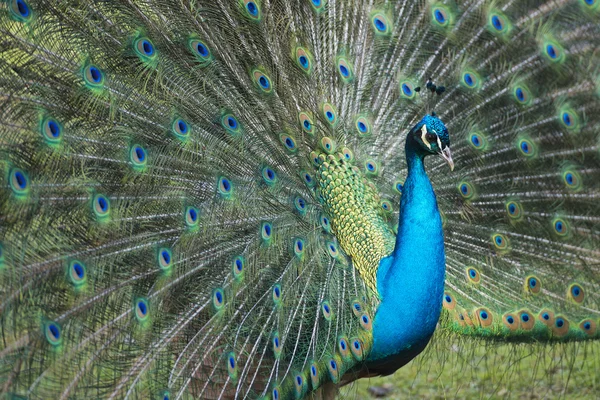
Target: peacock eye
431, 138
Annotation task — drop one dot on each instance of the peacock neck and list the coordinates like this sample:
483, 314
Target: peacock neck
410, 282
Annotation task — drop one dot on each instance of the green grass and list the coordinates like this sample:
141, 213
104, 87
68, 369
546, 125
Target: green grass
472, 370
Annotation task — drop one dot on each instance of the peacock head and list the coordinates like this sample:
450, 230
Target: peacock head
431, 137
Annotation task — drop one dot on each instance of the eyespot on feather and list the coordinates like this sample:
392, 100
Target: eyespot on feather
192, 217
407, 90
356, 347
200, 50
52, 131
330, 114
473, 275
572, 179
19, 182
511, 321
526, 320
141, 309
588, 326
345, 69
101, 206
449, 302
344, 347
77, 272
365, 322
252, 9
514, 209
262, 81
231, 124
500, 242
224, 187
466, 190
20, 11
180, 129
144, 48
306, 122
165, 258
546, 317
218, 299
522, 94
328, 145
93, 76
53, 333
484, 316
363, 126
532, 284
560, 327
576, 293
381, 23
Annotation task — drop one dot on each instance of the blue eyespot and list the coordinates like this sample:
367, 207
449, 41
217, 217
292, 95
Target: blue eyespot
551, 51
525, 147
576, 291
532, 283
267, 229
472, 273
102, 203
468, 79
546, 316
448, 299
313, 370
316, 3
464, 189
525, 317
148, 47
192, 214
95, 74
232, 123
264, 82
510, 320
252, 9
560, 322
303, 61
407, 90
142, 308
182, 126
370, 167
22, 9
306, 124
19, 181
344, 71
356, 345
497, 23
53, 333
587, 326
498, 240
239, 265
475, 140
567, 119
333, 364
202, 49
380, 25
483, 315
520, 94
569, 178
343, 344
362, 127
439, 16
365, 319
329, 115
140, 153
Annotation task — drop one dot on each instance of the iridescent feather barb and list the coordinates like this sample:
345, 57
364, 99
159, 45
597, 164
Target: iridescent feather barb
202, 199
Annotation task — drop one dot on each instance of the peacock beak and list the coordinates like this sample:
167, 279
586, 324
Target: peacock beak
447, 155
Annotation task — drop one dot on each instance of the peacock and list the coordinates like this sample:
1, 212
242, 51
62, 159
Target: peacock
275, 198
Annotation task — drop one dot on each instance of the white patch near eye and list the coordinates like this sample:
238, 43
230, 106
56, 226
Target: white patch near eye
439, 142
423, 136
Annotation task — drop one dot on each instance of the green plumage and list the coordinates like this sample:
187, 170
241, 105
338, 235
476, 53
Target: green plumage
196, 195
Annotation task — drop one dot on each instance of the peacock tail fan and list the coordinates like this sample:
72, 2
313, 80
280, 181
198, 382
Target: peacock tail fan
196, 195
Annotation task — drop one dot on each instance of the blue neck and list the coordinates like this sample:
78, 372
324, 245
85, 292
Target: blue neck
411, 280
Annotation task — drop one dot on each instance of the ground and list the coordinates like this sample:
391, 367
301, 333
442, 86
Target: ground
497, 372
